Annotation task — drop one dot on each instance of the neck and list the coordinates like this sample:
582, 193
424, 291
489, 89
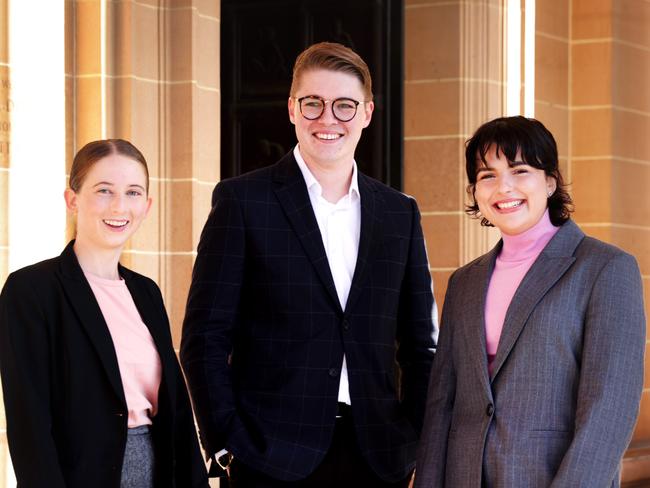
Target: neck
334, 179
98, 262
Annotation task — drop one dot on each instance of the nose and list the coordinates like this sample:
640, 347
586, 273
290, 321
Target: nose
327, 117
118, 203
505, 183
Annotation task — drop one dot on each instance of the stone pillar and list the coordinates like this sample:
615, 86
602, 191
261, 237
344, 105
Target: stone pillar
453, 71
5, 132
148, 71
483, 98
610, 149
552, 73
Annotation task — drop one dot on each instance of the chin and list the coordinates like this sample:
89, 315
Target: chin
116, 243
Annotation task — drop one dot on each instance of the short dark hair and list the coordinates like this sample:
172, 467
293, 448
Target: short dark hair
538, 149
334, 57
96, 150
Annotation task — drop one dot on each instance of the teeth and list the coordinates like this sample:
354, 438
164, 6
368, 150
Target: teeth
328, 137
116, 223
512, 204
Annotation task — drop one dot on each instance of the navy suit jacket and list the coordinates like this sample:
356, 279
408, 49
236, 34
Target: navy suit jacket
264, 333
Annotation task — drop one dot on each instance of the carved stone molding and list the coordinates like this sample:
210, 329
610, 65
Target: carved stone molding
482, 97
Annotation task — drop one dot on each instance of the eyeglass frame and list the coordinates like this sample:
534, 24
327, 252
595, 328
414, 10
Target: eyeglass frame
331, 102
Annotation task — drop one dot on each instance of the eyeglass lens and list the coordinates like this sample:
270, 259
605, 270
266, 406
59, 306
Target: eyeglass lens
344, 109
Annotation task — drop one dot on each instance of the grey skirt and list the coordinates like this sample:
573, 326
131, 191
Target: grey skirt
138, 465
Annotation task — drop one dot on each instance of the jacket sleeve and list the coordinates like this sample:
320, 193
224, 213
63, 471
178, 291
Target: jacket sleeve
611, 377
417, 325
25, 348
432, 450
209, 320
189, 468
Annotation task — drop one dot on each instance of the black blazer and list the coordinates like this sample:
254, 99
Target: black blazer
64, 401
264, 333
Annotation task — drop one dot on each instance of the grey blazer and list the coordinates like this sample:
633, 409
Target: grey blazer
563, 398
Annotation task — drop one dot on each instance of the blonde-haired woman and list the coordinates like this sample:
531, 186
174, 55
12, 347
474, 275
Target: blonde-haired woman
93, 392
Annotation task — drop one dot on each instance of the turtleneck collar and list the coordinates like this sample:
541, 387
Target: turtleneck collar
529, 243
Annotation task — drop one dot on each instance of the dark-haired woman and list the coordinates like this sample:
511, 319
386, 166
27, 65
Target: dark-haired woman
539, 369
93, 393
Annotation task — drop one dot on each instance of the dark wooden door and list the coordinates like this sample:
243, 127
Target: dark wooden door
259, 43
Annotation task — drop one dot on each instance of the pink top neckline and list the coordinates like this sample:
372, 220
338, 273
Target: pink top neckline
517, 255
137, 355
529, 243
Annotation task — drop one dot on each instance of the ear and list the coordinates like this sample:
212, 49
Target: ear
292, 106
551, 185
368, 108
70, 200
149, 202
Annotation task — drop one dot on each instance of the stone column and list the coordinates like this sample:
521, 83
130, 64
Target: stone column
610, 149
5, 132
454, 72
148, 71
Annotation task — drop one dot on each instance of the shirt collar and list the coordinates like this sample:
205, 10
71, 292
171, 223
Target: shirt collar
314, 187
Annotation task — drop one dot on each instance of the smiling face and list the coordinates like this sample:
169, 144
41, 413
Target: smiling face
111, 203
327, 142
513, 197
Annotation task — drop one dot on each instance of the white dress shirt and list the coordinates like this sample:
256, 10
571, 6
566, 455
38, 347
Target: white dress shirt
340, 227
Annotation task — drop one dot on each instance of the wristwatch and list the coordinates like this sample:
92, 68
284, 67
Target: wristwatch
224, 459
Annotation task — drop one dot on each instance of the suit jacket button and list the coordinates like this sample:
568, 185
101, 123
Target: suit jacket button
489, 410
333, 372
346, 325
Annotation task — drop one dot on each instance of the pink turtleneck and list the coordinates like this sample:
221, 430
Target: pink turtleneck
515, 259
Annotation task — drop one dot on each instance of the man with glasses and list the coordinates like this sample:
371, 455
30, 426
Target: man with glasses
310, 324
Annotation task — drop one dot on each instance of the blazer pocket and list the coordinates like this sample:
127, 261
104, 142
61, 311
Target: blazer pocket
549, 434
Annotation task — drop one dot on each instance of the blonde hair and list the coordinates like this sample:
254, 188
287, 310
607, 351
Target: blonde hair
334, 57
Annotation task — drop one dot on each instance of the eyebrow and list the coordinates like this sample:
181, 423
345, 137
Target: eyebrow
329, 100
133, 185
512, 164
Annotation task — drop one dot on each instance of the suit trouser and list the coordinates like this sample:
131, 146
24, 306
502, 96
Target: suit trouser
138, 464
343, 466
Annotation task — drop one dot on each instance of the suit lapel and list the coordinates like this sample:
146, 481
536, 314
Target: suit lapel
473, 308
372, 211
292, 194
83, 301
547, 269
158, 326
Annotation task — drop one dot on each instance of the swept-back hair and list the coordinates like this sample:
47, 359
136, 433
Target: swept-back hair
334, 57
96, 150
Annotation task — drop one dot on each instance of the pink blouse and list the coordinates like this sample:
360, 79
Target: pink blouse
517, 255
136, 351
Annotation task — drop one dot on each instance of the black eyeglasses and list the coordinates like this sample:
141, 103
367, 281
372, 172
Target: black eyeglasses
312, 107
